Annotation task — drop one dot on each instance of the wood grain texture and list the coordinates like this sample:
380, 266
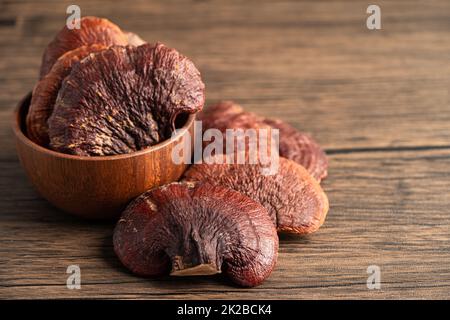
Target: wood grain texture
378, 101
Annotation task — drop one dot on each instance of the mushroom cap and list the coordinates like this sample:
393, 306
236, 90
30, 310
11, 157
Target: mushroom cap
301, 148
293, 144
133, 39
192, 229
293, 198
124, 99
217, 116
228, 115
46, 91
92, 30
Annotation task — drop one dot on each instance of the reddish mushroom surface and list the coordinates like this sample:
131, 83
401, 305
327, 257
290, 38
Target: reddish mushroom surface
197, 229
46, 91
124, 99
301, 148
294, 199
293, 144
92, 30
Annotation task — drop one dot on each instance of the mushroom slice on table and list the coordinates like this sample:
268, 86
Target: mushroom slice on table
293, 144
46, 91
293, 198
301, 148
197, 229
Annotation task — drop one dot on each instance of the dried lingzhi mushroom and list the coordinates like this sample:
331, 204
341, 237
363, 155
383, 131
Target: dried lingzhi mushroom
197, 229
124, 99
133, 39
293, 144
92, 30
294, 199
46, 91
103, 91
300, 148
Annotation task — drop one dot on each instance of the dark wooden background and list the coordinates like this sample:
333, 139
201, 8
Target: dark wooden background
378, 101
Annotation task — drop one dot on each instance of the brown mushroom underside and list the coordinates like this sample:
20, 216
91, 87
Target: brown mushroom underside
197, 229
46, 91
293, 145
124, 99
294, 199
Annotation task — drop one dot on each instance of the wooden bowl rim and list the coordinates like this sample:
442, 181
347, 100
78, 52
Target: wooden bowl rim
17, 128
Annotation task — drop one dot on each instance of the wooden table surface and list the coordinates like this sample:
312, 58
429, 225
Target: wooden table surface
378, 101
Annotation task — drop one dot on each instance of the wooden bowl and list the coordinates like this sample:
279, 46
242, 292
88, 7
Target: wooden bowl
95, 187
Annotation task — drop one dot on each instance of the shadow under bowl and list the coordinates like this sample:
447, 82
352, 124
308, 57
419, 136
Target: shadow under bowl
96, 187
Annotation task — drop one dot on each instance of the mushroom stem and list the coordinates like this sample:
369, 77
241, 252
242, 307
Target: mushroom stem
197, 257
198, 270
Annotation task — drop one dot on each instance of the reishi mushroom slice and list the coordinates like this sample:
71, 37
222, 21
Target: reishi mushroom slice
133, 39
92, 30
217, 116
228, 115
301, 148
293, 144
293, 198
46, 91
197, 229
124, 99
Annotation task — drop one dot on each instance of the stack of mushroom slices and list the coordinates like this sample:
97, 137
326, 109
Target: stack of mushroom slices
225, 217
